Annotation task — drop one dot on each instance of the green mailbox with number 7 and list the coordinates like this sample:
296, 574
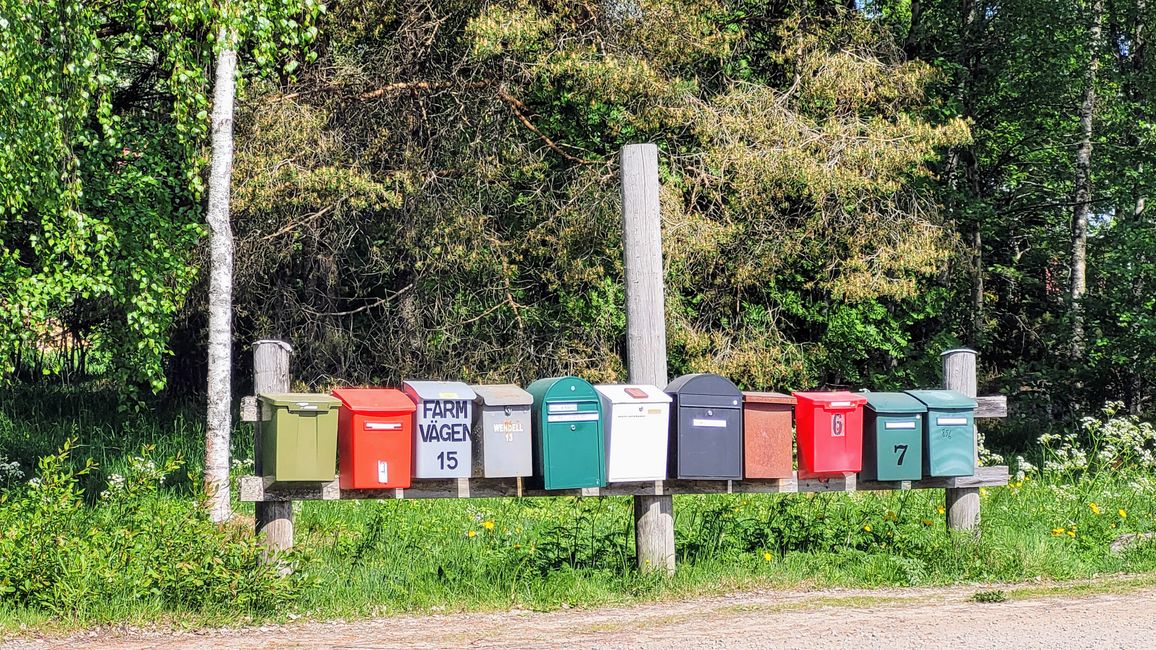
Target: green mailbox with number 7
893, 437
569, 449
441, 436
949, 435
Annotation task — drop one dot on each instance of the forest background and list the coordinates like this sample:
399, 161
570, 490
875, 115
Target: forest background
429, 189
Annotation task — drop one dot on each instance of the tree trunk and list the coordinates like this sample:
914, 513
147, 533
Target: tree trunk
1083, 189
219, 417
911, 43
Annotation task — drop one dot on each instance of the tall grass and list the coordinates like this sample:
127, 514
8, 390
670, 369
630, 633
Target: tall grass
358, 558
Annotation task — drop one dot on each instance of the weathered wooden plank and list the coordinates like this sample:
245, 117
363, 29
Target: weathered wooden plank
991, 406
249, 409
255, 488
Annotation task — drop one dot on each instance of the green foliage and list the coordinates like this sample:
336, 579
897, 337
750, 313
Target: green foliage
133, 546
991, 596
105, 115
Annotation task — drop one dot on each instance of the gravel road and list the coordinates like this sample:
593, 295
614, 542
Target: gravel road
892, 619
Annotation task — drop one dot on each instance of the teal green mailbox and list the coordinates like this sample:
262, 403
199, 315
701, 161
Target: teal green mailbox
569, 450
949, 433
893, 437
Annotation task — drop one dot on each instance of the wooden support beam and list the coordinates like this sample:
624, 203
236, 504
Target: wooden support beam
257, 488
961, 504
991, 406
273, 520
646, 330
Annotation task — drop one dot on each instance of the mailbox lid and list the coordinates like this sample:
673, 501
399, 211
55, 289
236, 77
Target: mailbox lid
431, 390
567, 388
894, 404
768, 398
830, 400
943, 399
502, 395
301, 402
703, 383
375, 400
633, 394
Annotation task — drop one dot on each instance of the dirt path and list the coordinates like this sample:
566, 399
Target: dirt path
892, 619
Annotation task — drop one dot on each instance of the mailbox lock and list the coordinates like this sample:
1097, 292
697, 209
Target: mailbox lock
507, 410
710, 413
573, 427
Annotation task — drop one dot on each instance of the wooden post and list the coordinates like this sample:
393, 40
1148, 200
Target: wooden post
274, 519
646, 330
962, 504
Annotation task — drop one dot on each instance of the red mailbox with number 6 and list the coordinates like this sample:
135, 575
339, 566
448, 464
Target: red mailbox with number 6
374, 438
829, 430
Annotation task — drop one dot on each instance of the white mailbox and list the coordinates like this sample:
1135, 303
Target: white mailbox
636, 422
441, 443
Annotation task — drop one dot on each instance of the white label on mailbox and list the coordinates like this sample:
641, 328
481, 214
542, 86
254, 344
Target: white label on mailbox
382, 426
840, 403
713, 424
950, 422
576, 417
561, 408
307, 406
382, 471
899, 425
442, 438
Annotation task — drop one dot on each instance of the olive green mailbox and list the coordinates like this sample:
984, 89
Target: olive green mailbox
299, 436
949, 433
893, 437
569, 450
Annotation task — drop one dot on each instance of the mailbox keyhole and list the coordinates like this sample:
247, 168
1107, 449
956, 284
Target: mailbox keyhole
507, 410
710, 413
573, 427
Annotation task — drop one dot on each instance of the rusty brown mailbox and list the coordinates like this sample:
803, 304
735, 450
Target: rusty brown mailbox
767, 451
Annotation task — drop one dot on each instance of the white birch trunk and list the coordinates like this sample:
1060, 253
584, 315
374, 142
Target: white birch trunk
219, 416
1083, 198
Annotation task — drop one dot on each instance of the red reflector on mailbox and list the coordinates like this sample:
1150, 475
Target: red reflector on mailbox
829, 431
374, 438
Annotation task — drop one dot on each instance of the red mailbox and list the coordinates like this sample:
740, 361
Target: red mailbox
829, 430
374, 438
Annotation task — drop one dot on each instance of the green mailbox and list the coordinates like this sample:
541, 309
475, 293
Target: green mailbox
949, 433
893, 437
569, 450
299, 436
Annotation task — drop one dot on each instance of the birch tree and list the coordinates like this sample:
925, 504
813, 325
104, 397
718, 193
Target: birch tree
1083, 186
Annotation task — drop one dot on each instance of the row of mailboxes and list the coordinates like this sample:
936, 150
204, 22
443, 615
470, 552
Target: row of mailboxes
565, 433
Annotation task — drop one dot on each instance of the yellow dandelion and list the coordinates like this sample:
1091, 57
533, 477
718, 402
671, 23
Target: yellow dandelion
1056, 532
1095, 508
867, 527
1071, 533
942, 510
926, 522
767, 556
472, 533
1112, 526
517, 546
488, 525
1123, 513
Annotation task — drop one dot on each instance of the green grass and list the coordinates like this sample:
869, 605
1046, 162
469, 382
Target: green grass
371, 558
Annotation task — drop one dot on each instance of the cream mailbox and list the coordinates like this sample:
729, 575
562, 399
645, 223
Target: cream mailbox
636, 422
502, 428
441, 441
